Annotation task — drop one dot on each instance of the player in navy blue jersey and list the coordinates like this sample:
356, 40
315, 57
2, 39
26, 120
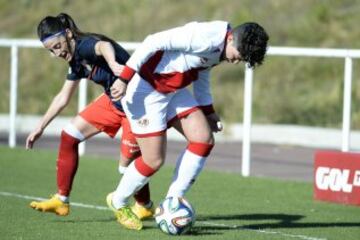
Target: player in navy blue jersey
97, 58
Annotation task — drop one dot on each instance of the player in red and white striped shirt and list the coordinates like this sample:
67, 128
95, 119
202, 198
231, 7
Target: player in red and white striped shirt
167, 62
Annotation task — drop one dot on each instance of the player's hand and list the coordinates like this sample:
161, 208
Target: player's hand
118, 90
116, 68
35, 135
214, 122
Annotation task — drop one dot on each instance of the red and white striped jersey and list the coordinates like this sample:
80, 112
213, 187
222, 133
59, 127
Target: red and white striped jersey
175, 58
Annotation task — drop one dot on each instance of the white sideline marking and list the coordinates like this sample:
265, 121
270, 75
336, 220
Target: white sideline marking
42, 199
8, 194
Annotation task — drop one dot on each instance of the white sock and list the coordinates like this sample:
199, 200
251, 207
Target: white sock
74, 132
129, 184
122, 169
176, 170
63, 198
188, 167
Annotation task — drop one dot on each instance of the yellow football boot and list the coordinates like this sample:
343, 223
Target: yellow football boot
142, 212
54, 205
124, 215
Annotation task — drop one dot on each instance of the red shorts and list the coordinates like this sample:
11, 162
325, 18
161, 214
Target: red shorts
103, 115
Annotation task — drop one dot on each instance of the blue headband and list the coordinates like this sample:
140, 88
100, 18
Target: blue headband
52, 36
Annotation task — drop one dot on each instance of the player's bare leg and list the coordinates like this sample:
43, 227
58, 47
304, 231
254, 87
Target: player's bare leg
143, 206
197, 131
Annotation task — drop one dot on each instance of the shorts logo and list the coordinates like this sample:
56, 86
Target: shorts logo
143, 122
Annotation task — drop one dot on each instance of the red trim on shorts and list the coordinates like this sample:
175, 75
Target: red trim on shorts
143, 168
201, 149
182, 115
127, 73
208, 109
153, 134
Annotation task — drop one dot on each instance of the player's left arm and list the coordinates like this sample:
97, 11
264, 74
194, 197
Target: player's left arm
105, 49
202, 94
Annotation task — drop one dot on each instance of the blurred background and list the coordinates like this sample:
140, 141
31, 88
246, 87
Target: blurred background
297, 100
301, 91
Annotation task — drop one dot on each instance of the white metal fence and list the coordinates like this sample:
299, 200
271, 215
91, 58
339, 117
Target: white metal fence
347, 54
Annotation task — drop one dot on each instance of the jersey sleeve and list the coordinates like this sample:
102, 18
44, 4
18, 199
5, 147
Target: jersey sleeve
121, 55
191, 38
202, 92
86, 49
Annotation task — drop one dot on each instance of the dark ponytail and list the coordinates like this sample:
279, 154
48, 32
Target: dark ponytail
69, 23
52, 25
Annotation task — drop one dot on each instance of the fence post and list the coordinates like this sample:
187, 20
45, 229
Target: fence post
346, 124
245, 168
81, 105
13, 95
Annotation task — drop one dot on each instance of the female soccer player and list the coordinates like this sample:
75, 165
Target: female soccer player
97, 58
167, 62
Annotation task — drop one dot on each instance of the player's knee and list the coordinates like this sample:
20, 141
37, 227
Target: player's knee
67, 141
204, 137
146, 168
200, 148
210, 139
70, 131
155, 163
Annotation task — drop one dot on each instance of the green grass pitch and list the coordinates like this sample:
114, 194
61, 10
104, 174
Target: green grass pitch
227, 205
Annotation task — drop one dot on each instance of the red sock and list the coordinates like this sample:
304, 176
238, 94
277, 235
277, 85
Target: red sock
143, 195
143, 168
67, 163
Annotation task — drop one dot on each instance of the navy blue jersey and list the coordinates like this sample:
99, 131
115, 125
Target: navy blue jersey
86, 64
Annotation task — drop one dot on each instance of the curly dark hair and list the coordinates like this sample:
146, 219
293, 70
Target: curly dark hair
251, 39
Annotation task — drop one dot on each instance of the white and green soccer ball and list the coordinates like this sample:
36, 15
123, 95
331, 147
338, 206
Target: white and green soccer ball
175, 216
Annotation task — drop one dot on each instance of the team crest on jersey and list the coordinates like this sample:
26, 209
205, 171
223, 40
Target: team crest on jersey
143, 122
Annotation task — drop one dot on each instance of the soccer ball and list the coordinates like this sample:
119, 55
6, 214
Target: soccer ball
175, 216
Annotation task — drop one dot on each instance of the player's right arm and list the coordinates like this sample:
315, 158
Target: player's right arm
202, 94
59, 102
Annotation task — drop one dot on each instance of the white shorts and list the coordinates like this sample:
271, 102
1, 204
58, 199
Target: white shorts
149, 111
